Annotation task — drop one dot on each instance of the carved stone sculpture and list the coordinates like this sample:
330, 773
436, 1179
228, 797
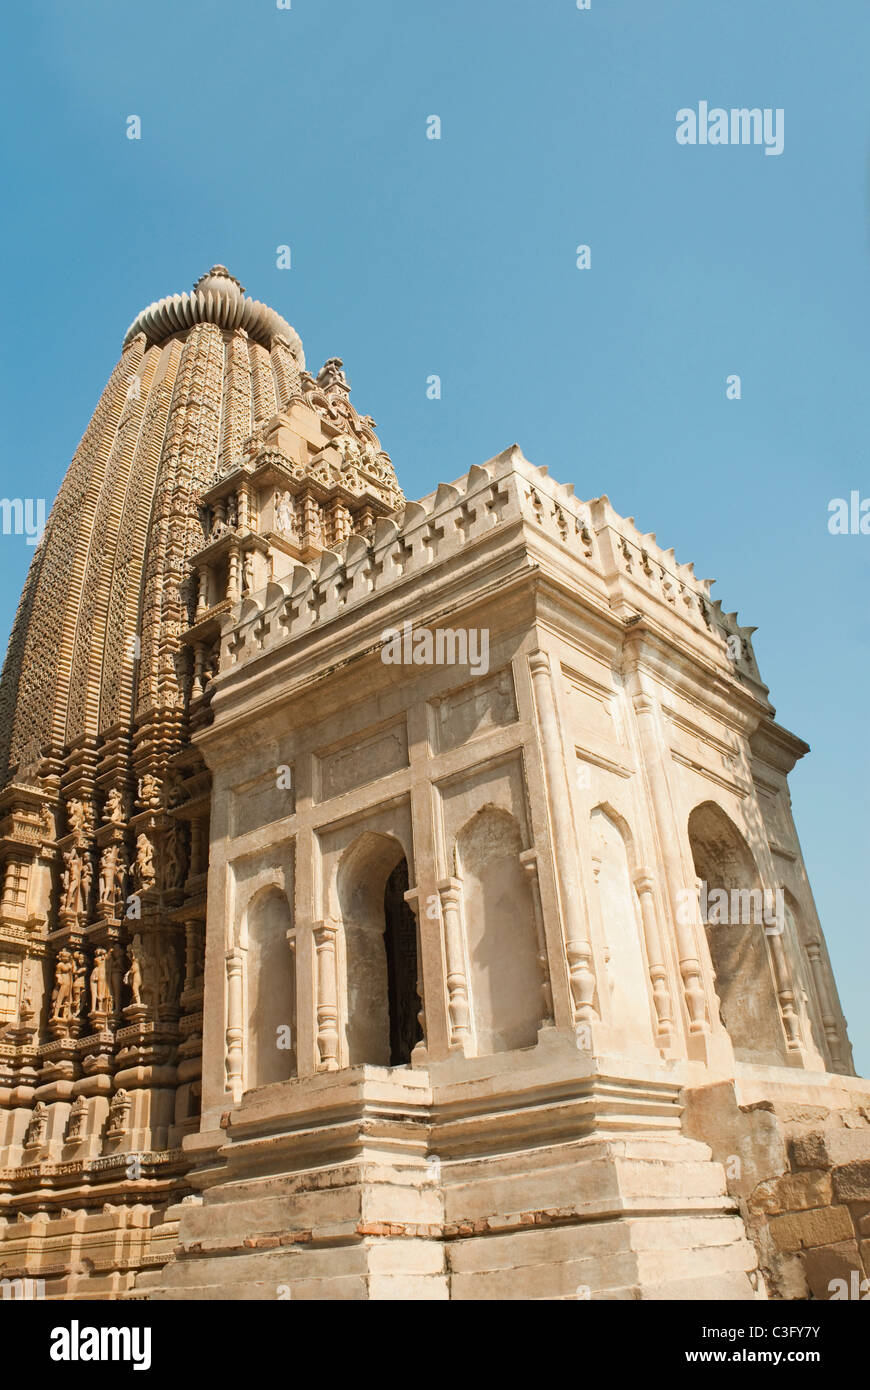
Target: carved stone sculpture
144, 862
38, 1127
76, 1120
62, 994
100, 1000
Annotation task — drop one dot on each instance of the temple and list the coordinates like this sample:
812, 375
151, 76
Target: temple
400, 900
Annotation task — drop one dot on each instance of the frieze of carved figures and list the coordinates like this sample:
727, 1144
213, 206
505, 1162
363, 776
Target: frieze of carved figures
38, 1126
113, 810
119, 1112
62, 994
76, 1120
100, 1001
145, 876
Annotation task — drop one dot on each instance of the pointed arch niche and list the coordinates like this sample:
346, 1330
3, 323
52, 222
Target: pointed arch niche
270, 1053
500, 932
614, 870
748, 1005
383, 1009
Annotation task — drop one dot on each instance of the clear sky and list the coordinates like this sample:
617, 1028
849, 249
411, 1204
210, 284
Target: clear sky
264, 127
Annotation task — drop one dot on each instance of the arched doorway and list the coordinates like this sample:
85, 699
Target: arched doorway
380, 935
505, 973
271, 991
626, 965
732, 892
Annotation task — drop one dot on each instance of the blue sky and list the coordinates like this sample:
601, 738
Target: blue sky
263, 127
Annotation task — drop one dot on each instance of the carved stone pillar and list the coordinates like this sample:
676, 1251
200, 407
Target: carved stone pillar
785, 992
294, 1052
412, 898
198, 668
233, 570
202, 591
457, 983
325, 934
235, 1021
577, 944
529, 861
244, 496
645, 885
191, 953
686, 932
823, 994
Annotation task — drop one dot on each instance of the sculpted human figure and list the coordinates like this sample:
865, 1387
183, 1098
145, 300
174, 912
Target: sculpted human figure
248, 573
168, 976
76, 815
133, 977
114, 808
61, 996
116, 974
285, 518
149, 785
78, 984
99, 983
173, 857
331, 375
144, 861
85, 879
119, 1111
77, 1116
27, 990
71, 880
108, 861
38, 1127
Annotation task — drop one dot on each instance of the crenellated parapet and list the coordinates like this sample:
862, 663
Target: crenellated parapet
615, 564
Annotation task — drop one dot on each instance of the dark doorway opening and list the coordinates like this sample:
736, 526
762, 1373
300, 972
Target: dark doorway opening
400, 944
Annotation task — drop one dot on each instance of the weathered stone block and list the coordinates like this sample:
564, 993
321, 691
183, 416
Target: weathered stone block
792, 1192
801, 1230
826, 1263
827, 1148
852, 1182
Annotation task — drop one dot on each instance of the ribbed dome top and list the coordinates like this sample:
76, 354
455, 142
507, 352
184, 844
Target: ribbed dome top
217, 298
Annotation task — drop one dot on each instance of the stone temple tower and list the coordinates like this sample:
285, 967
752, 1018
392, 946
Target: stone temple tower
399, 899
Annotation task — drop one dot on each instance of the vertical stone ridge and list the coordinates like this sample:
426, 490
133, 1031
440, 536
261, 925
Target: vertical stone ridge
93, 639
124, 619
35, 682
